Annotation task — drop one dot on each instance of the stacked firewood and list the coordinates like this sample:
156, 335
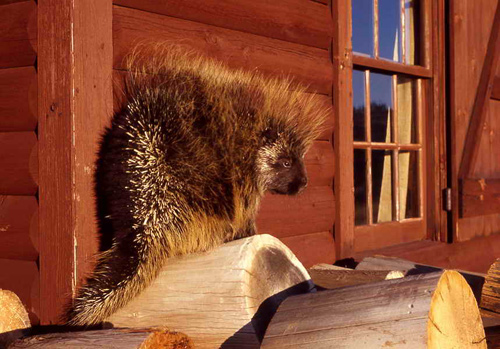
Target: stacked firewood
254, 292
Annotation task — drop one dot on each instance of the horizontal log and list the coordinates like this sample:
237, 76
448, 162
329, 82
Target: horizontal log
326, 101
19, 227
480, 197
122, 338
331, 276
475, 280
429, 310
224, 297
299, 21
22, 278
312, 248
18, 99
18, 34
310, 212
319, 161
307, 65
13, 318
18, 163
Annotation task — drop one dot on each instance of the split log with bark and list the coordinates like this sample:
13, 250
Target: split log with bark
225, 297
437, 310
331, 276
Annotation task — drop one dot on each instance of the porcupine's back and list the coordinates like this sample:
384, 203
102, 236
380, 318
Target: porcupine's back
179, 167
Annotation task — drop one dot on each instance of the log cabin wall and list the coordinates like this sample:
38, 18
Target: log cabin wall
471, 32
19, 234
290, 37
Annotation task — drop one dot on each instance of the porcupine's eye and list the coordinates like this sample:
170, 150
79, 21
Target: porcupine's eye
289, 176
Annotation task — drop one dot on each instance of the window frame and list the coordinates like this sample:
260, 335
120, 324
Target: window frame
351, 239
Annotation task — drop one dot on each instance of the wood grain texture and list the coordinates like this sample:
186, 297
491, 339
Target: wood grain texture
312, 248
224, 297
475, 255
495, 90
470, 31
74, 76
481, 102
13, 318
299, 21
93, 108
18, 34
389, 233
378, 262
307, 65
408, 311
310, 212
18, 163
330, 276
343, 138
19, 236
22, 278
121, 338
18, 99
490, 298
480, 197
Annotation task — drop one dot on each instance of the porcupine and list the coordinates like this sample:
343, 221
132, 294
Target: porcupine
184, 164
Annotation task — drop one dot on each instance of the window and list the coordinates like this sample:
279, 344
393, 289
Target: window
389, 116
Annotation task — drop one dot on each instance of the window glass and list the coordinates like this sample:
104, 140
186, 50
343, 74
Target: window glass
390, 29
381, 107
362, 26
408, 185
360, 186
382, 185
358, 101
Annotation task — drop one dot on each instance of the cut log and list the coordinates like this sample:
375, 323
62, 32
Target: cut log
224, 297
436, 309
331, 276
475, 280
13, 318
490, 297
121, 338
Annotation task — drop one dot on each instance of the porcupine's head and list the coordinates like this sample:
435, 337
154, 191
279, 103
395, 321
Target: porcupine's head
295, 120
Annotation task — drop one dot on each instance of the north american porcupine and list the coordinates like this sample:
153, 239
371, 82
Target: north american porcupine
184, 165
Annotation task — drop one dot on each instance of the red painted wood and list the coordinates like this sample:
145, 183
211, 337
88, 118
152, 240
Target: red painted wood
22, 278
310, 212
18, 34
299, 21
18, 99
19, 228
18, 163
308, 65
480, 197
313, 248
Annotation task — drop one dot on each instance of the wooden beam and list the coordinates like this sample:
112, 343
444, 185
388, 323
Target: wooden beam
483, 95
343, 137
495, 90
74, 102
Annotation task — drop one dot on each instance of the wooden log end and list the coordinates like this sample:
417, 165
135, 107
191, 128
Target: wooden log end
168, 340
454, 318
13, 317
490, 295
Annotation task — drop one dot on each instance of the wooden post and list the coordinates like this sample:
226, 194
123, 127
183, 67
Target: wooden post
122, 338
343, 130
224, 297
74, 103
436, 310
